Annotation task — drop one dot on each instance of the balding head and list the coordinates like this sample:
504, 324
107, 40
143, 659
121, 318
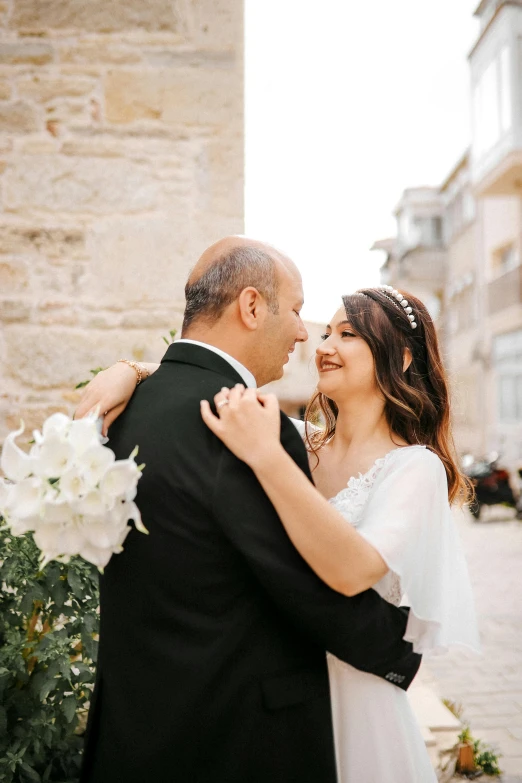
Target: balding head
225, 269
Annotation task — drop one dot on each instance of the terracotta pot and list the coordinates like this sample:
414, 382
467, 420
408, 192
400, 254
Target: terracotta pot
465, 760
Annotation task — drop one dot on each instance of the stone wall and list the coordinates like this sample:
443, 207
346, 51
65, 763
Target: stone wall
121, 159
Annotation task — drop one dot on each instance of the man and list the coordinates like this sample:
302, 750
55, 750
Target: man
212, 663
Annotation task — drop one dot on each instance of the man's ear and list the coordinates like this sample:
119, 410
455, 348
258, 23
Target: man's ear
408, 358
252, 308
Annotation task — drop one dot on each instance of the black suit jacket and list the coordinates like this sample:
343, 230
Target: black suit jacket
212, 665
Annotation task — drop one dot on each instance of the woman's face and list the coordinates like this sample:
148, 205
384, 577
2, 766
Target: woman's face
345, 362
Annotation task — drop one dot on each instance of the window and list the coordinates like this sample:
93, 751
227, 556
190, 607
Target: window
492, 103
507, 355
505, 90
427, 231
505, 259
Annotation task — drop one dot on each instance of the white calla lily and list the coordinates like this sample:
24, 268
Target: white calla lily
56, 511
15, 463
56, 425
55, 458
93, 504
70, 492
130, 510
26, 498
94, 464
5, 491
19, 527
72, 485
103, 536
121, 479
83, 434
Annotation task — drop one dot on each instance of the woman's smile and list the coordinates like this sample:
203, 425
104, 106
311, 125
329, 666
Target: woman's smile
328, 366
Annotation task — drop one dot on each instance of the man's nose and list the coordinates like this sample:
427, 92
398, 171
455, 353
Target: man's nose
302, 334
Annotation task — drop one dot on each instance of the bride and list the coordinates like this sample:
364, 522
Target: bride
380, 513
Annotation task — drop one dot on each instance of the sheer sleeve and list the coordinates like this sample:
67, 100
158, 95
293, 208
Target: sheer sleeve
409, 521
302, 427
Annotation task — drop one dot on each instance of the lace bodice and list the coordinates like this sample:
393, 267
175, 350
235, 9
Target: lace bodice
351, 503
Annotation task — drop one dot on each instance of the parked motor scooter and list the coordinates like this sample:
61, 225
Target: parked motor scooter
491, 483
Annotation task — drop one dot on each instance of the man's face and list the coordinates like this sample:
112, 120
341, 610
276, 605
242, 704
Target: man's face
282, 330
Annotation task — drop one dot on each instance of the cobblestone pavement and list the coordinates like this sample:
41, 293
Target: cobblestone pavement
489, 687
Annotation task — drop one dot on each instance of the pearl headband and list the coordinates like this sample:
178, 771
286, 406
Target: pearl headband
400, 301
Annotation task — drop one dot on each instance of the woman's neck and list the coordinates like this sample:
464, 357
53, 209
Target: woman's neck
362, 427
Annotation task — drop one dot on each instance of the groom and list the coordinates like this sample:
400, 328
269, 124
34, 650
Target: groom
212, 665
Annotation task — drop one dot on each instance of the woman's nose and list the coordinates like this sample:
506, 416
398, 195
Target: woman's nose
325, 348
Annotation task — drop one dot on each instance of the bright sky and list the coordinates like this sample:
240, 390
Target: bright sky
347, 103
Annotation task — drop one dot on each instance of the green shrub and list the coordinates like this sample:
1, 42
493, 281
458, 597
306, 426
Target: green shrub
48, 646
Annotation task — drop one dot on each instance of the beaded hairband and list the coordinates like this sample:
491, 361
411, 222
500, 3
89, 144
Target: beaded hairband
396, 299
399, 301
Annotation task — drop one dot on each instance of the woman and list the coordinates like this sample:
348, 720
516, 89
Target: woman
380, 517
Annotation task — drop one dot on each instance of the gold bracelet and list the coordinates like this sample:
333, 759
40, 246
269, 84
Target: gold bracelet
135, 366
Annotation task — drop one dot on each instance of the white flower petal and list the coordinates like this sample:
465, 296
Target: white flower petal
94, 463
72, 485
93, 504
5, 490
37, 437
57, 513
15, 463
98, 533
56, 457
83, 434
19, 527
26, 498
132, 512
121, 479
97, 556
56, 425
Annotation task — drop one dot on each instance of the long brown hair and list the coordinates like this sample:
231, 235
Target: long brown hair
417, 403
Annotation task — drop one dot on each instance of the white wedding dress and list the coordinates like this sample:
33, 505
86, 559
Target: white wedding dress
401, 507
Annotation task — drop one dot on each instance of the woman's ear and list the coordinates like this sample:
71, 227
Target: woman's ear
408, 358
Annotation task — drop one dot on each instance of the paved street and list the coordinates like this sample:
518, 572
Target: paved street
489, 688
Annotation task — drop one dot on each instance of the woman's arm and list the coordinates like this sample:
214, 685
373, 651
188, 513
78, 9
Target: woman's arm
339, 555
110, 391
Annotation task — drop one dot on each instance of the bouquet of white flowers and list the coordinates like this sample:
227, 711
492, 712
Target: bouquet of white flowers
69, 491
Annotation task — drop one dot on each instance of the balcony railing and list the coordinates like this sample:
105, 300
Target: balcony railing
505, 291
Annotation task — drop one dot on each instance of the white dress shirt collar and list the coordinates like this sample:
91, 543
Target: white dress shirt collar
250, 381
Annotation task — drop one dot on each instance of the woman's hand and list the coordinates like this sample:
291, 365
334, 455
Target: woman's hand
109, 393
248, 423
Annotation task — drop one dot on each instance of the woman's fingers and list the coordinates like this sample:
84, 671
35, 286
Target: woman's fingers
111, 416
212, 421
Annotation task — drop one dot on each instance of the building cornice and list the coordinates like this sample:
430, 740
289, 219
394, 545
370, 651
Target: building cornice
500, 6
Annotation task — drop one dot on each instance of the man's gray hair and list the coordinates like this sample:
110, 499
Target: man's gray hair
210, 295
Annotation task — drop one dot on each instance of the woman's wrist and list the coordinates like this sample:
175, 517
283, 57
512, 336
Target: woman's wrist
268, 459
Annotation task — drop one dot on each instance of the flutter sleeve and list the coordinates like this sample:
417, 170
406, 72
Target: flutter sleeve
409, 521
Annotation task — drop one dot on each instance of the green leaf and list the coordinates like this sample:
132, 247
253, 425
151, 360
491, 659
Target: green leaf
46, 688
75, 582
3, 721
31, 773
165, 339
69, 705
59, 594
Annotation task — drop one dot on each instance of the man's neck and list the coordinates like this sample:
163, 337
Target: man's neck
219, 341
229, 351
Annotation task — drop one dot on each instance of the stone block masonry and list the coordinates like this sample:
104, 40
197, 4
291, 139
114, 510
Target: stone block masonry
121, 159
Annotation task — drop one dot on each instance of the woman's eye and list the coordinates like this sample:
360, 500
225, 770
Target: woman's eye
347, 334
324, 337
